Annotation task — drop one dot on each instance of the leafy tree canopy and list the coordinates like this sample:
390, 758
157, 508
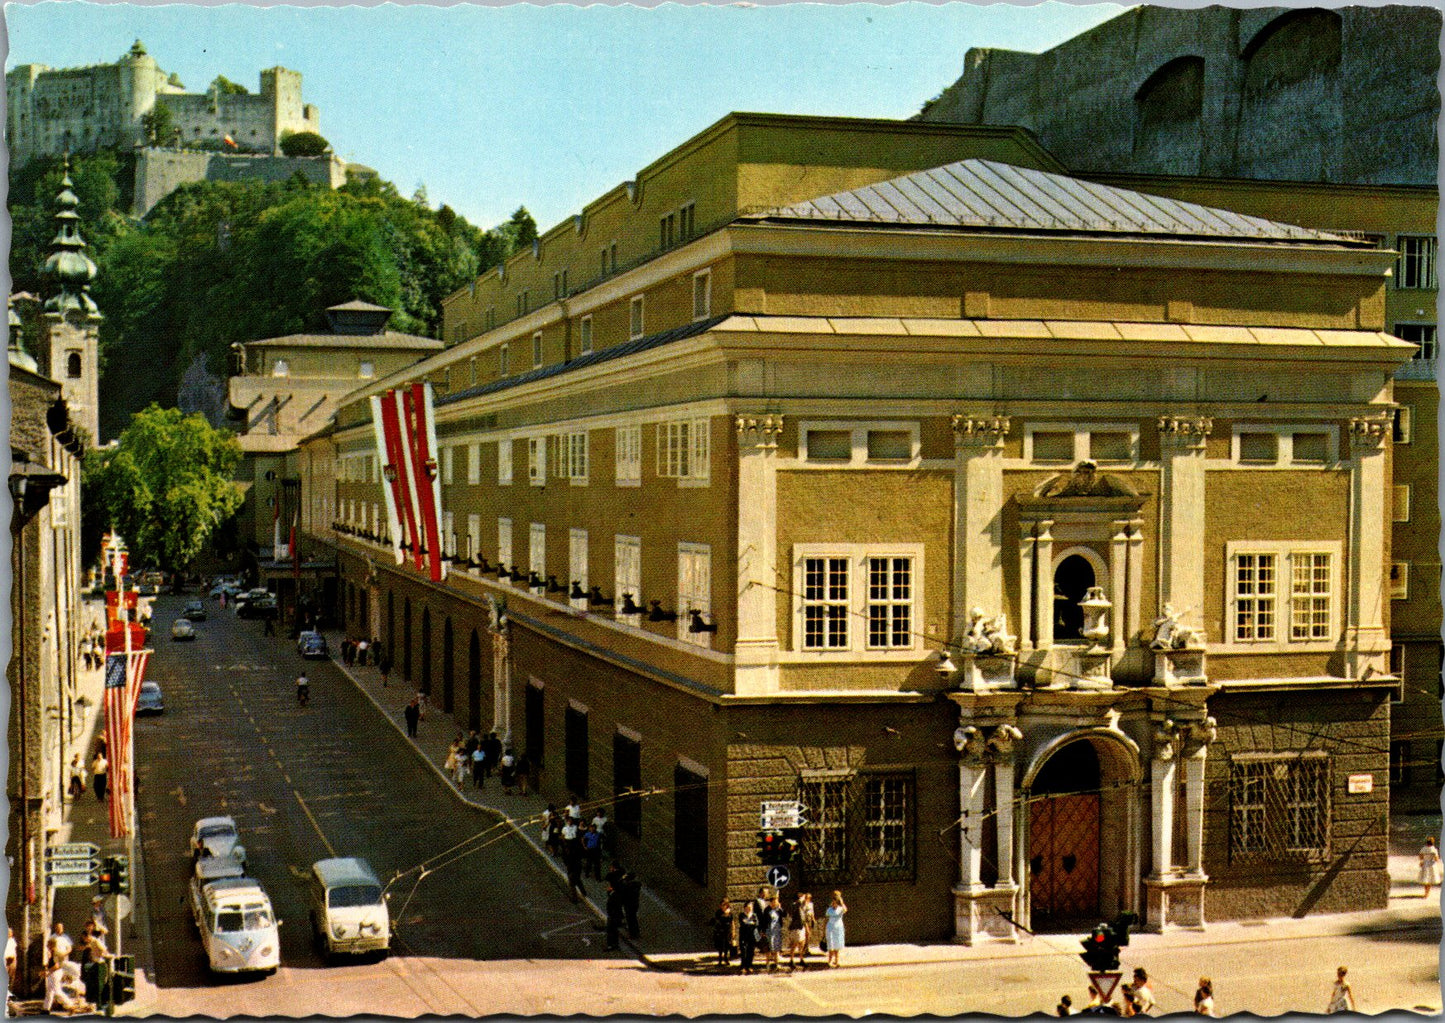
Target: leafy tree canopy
226, 87
304, 143
167, 485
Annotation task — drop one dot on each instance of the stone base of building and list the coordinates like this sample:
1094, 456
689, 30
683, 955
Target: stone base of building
1175, 902
978, 914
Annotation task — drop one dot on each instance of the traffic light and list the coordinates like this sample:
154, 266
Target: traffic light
123, 980
769, 846
122, 874
1101, 949
107, 876
792, 845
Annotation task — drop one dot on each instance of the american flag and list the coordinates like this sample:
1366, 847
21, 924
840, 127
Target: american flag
125, 665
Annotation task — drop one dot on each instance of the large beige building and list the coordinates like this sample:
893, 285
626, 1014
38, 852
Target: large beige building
1033, 532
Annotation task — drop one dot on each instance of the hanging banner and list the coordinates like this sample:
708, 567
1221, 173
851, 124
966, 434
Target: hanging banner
428, 479
388, 478
125, 664
407, 466
113, 605
399, 469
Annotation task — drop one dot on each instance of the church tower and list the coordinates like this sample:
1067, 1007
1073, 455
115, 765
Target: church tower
70, 325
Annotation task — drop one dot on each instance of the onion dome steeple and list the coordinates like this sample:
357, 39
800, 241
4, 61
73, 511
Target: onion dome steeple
68, 265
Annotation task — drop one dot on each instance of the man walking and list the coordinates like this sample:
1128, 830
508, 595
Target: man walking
631, 897
413, 715
614, 917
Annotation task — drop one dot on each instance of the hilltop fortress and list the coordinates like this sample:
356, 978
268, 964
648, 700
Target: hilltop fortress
50, 111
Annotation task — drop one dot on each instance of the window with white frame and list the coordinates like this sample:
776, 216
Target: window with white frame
694, 590
1066, 443
449, 535
504, 543
504, 367
1284, 445
366, 370
627, 576
584, 336
537, 553
1416, 265
537, 350
575, 456
577, 565
474, 541
848, 443
1423, 334
682, 449
281, 368
504, 461
855, 598
702, 295
634, 318
1283, 593
1399, 580
628, 442
537, 461
1400, 511
1404, 418
448, 453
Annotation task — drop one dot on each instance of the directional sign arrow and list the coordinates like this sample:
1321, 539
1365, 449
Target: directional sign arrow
72, 851
72, 864
66, 879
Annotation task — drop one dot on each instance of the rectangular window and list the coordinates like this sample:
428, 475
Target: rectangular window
702, 295
504, 462
890, 603
627, 577
366, 370
890, 445
474, 540
1400, 511
888, 824
666, 230
1111, 447
504, 361
825, 836
1259, 448
559, 284
504, 543
1310, 448
1404, 417
694, 591
689, 823
1053, 446
628, 441
577, 564
584, 336
536, 724
1422, 334
537, 350
1400, 764
627, 783
537, 461
448, 453
1399, 580
682, 450
830, 445
1310, 596
1254, 597
575, 456
1416, 265
687, 220
1279, 807
537, 554
575, 754
825, 603
634, 320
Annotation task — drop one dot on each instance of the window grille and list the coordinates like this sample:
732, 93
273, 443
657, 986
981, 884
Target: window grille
888, 824
825, 838
1279, 807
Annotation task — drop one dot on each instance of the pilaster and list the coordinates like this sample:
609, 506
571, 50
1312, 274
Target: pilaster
755, 652
1181, 500
1366, 643
978, 526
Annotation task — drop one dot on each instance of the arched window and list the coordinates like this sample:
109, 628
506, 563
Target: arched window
1072, 580
72, 365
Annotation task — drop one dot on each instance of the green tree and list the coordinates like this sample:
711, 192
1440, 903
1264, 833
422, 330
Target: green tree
159, 126
520, 231
304, 143
167, 485
226, 87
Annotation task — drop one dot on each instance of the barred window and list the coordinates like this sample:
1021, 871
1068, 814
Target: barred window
890, 603
825, 838
1310, 596
1254, 596
887, 823
1279, 806
1417, 261
825, 603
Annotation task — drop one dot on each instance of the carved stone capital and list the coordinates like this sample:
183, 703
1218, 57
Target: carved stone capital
985, 431
1196, 736
1167, 737
1371, 431
1187, 431
759, 431
999, 747
969, 741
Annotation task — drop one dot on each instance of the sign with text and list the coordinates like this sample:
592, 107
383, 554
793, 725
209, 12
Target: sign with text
782, 813
1361, 783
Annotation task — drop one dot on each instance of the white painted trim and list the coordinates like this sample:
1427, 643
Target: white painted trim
1083, 432
859, 431
857, 648
1284, 449
1283, 597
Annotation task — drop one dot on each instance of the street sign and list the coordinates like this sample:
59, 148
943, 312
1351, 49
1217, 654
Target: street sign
782, 813
1104, 983
779, 876
72, 851
122, 906
65, 879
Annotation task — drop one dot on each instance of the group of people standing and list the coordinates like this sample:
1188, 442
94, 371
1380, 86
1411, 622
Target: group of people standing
99, 771
766, 926
64, 960
92, 649
361, 652
479, 757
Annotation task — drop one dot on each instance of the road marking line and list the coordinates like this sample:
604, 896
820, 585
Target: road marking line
807, 994
312, 818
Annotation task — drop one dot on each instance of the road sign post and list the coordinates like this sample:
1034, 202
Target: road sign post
1104, 983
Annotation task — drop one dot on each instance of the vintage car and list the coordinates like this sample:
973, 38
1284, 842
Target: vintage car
182, 628
238, 928
151, 699
195, 611
218, 837
348, 907
312, 645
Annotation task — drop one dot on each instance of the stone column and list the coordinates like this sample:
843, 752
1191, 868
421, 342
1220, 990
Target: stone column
1181, 501
1196, 749
755, 652
1136, 579
1366, 643
1001, 746
1118, 584
1162, 784
977, 522
1044, 585
1027, 632
971, 776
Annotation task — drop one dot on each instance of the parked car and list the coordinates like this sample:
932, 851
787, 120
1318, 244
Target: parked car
312, 645
217, 836
258, 607
151, 700
238, 927
182, 628
195, 610
348, 907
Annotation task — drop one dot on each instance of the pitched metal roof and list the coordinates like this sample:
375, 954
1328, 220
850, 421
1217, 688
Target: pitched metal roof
985, 194
386, 339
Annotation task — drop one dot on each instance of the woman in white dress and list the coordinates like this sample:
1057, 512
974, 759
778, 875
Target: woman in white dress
1342, 999
1430, 869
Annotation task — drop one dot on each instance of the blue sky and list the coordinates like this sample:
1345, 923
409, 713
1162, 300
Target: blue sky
549, 106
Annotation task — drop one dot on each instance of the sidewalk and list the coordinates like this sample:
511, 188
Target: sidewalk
670, 942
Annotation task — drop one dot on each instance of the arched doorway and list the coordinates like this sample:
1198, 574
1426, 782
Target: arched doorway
474, 682
1072, 579
447, 652
1082, 814
426, 650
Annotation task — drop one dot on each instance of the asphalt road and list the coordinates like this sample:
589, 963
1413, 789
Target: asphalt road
305, 784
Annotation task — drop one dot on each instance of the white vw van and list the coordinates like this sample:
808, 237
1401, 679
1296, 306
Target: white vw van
238, 928
348, 909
